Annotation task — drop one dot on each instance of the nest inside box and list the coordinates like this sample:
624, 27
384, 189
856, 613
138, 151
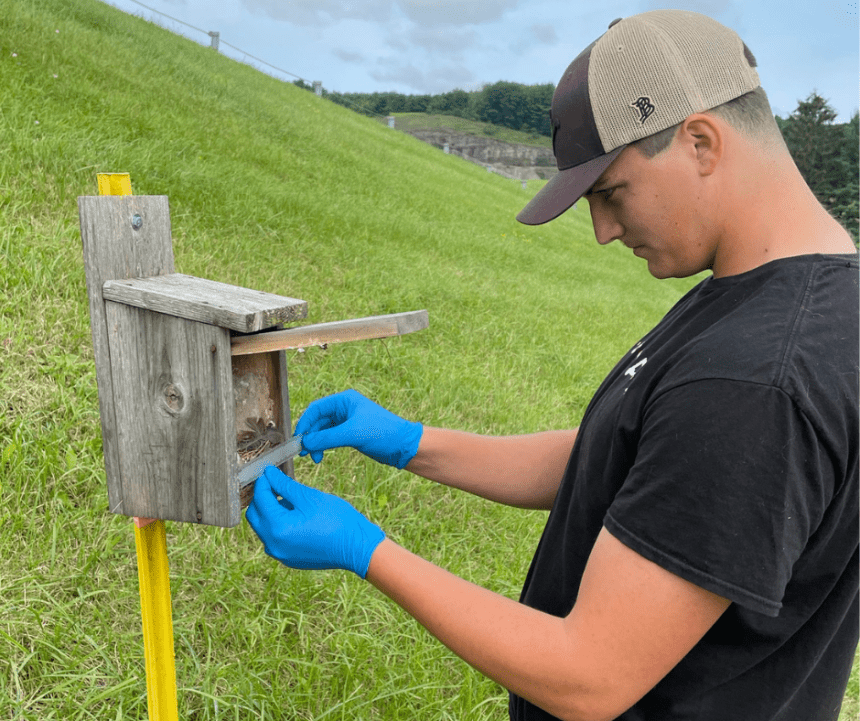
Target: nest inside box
261, 421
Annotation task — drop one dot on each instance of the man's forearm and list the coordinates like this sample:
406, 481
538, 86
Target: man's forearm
524, 650
523, 471
633, 621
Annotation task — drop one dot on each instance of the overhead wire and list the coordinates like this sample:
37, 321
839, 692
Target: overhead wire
253, 57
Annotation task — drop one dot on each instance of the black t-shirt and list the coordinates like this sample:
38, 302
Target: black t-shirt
724, 447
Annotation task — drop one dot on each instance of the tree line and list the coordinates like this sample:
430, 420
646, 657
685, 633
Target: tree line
825, 152
512, 105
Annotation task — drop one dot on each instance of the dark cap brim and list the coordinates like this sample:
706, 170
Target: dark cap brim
565, 188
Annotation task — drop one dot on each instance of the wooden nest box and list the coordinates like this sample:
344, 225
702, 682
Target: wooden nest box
192, 381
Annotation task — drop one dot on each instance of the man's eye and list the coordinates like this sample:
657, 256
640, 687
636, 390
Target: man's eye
604, 194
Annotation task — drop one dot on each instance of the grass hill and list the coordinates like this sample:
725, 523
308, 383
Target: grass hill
430, 121
271, 188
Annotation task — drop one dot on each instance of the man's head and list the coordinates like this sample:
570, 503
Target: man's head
644, 76
749, 114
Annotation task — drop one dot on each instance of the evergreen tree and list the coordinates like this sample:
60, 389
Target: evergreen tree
844, 204
826, 155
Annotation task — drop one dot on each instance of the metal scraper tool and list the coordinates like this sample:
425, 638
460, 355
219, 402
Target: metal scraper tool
275, 457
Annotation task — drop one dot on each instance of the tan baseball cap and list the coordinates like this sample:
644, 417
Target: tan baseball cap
646, 73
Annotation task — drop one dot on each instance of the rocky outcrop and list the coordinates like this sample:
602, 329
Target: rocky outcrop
522, 162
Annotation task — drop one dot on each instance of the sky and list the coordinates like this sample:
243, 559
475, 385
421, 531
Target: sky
434, 46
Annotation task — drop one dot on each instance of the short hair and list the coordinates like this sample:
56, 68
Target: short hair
749, 114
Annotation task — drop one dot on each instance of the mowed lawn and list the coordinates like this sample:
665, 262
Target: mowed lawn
275, 189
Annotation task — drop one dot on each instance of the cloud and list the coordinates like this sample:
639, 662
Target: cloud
538, 36
455, 12
322, 13
544, 33
428, 40
728, 12
711, 8
433, 79
445, 40
349, 57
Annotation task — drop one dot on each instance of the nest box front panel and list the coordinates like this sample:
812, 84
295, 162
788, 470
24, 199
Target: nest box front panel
173, 399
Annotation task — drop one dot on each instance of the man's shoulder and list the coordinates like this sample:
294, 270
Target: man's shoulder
786, 324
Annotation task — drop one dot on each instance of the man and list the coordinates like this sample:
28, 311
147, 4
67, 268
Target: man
700, 560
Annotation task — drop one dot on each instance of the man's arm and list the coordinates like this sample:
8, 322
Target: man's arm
523, 471
520, 471
632, 623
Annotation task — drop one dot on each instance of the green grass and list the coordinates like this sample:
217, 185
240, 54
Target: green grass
429, 121
270, 188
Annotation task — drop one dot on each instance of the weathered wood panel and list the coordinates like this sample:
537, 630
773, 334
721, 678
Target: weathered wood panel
123, 237
260, 387
229, 306
286, 418
378, 326
174, 415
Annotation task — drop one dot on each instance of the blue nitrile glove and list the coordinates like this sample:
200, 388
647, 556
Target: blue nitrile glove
350, 419
309, 529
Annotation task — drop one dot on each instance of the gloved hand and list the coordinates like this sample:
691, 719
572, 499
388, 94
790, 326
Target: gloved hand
309, 529
350, 419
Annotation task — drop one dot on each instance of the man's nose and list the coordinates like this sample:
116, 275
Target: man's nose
606, 227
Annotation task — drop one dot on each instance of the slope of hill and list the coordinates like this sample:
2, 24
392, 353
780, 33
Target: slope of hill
510, 153
411, 122
270, 188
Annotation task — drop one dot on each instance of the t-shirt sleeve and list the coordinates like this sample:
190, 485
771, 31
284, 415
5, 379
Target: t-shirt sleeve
727, 486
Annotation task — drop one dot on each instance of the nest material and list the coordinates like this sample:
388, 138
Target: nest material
253, 441
258, 438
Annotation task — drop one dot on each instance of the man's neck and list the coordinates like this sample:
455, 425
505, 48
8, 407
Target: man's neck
773, 214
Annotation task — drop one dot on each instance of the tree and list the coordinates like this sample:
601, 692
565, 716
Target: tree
811, 137
539, 100
503, 104
826, 155
844, 201
453, 103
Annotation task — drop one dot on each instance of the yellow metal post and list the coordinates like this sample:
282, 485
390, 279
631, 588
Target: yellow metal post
152, 571
150, 539
114, 183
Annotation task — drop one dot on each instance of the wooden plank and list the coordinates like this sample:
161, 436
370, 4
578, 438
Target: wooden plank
114, 248
229, 306
286, 418
153, 573
174, 416
260, 387
379, 326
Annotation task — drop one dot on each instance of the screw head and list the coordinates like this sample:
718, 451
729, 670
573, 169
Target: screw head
136, 221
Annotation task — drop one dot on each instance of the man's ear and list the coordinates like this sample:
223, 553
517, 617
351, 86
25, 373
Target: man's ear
706, 138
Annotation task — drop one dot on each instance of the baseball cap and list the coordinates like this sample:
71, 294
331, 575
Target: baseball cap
646, 73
